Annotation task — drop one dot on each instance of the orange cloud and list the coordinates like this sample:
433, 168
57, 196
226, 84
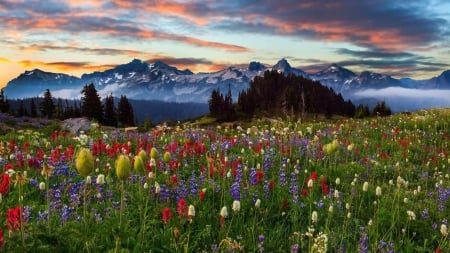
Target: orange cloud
170, 8
66, 67
4, 60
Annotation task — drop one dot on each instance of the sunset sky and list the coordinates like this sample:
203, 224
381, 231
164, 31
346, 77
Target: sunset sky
397, 37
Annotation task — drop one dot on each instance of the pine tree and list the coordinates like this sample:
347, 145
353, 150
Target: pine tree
33, 108
215, 103
22, 111
91, 106
381, 109
110, 111
4, 104
47, 105
125, 114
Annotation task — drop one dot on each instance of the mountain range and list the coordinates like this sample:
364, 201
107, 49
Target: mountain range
159, 81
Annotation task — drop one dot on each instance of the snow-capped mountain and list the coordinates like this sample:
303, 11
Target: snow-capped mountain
440, 82
334, 76
159, 81
28, 83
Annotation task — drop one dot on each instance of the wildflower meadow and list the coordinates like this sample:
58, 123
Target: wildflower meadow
368, 185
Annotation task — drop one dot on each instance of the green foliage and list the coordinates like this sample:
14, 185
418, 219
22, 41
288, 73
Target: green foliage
4, 104
91, 105
362, 111
146, 125
47, 105
291, 95
110, 112
125, 113
221, 107
381, 109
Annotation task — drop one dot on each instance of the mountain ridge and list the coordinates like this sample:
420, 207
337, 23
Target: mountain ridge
160, 81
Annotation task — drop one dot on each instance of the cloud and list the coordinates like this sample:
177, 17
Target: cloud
4, 60
65, 66
400, 99
384, 24
193, 64
112, 23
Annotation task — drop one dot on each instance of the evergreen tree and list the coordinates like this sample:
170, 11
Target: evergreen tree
362, 111
381, 109
4, 104
22, 111
59, 110
33, 108
215, 103
91, 106
47, 105
125, 114
110, 111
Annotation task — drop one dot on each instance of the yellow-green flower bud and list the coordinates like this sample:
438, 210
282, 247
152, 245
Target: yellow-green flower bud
143, 155
138, 164
123, 167
166, 157
154, 153
85, 162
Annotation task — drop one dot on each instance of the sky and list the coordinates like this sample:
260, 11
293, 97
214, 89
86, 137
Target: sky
396, 37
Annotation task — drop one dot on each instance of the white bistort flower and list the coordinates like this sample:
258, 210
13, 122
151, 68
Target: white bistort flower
224, 212
236, 206
314, 217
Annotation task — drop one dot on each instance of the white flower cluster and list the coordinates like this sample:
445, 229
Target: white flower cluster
320, 243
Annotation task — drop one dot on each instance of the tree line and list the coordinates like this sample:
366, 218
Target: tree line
277, 94
90, 106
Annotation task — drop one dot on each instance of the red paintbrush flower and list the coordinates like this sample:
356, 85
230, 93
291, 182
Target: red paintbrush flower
259, 176
13, 218
182, 208
4, 184
2, 238
166, 215
201, 195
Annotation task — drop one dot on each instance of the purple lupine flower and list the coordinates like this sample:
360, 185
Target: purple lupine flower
252, 179
238, 177
320, 204
42, 217
266, 163
115, 205
201, 178
193, 185
425, 214
266, 188
235, 191
261, 243
65, 213
98, 216
282, 178
293, 186
26, 213
363, 241
164, 193
181, 191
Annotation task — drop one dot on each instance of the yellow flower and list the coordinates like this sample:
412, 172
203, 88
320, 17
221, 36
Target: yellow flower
154, 153
47, 170
20, 178
143, 155
138, 164
166, 157
123, 167
85, 162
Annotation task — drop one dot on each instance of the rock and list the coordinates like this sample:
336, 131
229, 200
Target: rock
75, 125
